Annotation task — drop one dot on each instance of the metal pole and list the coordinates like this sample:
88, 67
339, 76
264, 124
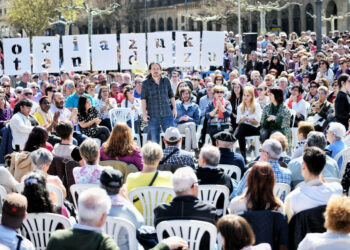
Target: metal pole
239, 38
318, 24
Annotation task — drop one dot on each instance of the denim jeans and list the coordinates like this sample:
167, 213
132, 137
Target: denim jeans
79, 137
154, 125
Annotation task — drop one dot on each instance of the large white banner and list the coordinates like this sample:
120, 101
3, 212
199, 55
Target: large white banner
76, 55
187, 49
104, 52
160, 48
46, 54
212, 48
16, 55
133, 51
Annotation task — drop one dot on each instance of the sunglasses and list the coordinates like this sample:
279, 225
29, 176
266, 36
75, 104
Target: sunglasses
69, 85
46, 103
34, 87
220, 92
313, 86
27, 94
6, 86
195, 79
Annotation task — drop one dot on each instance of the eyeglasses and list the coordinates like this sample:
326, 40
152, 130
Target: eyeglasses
335, 85
27, 94
342, 62
194, 183
69, 85
220, 92
46, 103
54, 91
260, 89
195, 79
34, 87
313, 86
6, 86
322, 63
19, 92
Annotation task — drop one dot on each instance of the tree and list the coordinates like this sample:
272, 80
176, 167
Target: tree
33, 15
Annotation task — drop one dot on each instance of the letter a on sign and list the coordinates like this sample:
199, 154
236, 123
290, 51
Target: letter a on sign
104, 52
213, 48
16, 55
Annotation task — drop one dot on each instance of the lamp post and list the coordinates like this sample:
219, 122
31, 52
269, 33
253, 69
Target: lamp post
318, 24
239, 38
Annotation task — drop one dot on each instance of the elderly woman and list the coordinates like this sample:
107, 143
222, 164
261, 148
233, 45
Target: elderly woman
41, 160
68, 89
5, 111
90, 173
270, 152
275, 116
320, 110
297, 105
337, 223
335, 134
152, 153
104, 105
218, 113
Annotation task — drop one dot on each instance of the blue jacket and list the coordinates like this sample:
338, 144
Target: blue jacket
192, 112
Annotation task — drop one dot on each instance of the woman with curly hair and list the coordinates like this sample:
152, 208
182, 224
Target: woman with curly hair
68, 89
122, 147
259, 195
89, 121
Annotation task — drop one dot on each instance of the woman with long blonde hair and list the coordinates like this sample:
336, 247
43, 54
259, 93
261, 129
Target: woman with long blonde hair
248, 119
122, 147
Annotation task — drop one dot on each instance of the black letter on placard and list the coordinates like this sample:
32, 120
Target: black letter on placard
212, 58
187, 57
76, 61
133, 58
46, 64
104, 45
187, 41
16, 49
45, 49
16, 62
160, 43
132, 44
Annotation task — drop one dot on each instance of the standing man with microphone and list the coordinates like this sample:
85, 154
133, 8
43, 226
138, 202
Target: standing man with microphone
156, 97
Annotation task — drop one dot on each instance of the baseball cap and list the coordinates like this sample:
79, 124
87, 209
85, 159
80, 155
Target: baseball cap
172, 134
13, 210
111, 180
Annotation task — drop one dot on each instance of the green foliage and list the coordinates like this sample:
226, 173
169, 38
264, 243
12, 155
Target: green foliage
33, 15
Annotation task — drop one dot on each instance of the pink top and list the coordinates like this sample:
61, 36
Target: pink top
135, 159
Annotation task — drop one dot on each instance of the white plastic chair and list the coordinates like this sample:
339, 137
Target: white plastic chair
76, 189
38, 227
230, 169
256, 140
150, 198
345, 154
50, 188
3, 194
113, 226
189, 230
211, 193
281, 190
121, 115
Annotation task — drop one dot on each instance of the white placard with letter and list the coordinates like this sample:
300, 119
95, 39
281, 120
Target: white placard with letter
160, 48
16, 56
133, 51
187, 49
104, 52
46, 54
213, 48
76, 55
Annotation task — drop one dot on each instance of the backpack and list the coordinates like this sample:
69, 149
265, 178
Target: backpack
19, 163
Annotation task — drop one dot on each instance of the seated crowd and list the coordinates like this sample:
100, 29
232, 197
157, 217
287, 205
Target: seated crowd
269, 147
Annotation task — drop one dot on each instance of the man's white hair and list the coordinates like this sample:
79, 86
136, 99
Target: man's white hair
183, 179
92, 204
337, 129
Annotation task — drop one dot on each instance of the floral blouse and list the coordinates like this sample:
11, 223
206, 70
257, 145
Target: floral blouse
88, 174
282, 122
91, 114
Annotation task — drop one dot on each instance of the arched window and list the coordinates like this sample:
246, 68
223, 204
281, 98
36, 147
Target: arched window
331, 10
169, 24
296, 19
153, 25
191, 24
218, 26
130, 27
161, 24
210, 26
285, 20
309, 20
137, 26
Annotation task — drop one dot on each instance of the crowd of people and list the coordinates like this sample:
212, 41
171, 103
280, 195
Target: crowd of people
293, 99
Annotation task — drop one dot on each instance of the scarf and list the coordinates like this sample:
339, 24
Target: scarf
291, 101
47, 116
223, 103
